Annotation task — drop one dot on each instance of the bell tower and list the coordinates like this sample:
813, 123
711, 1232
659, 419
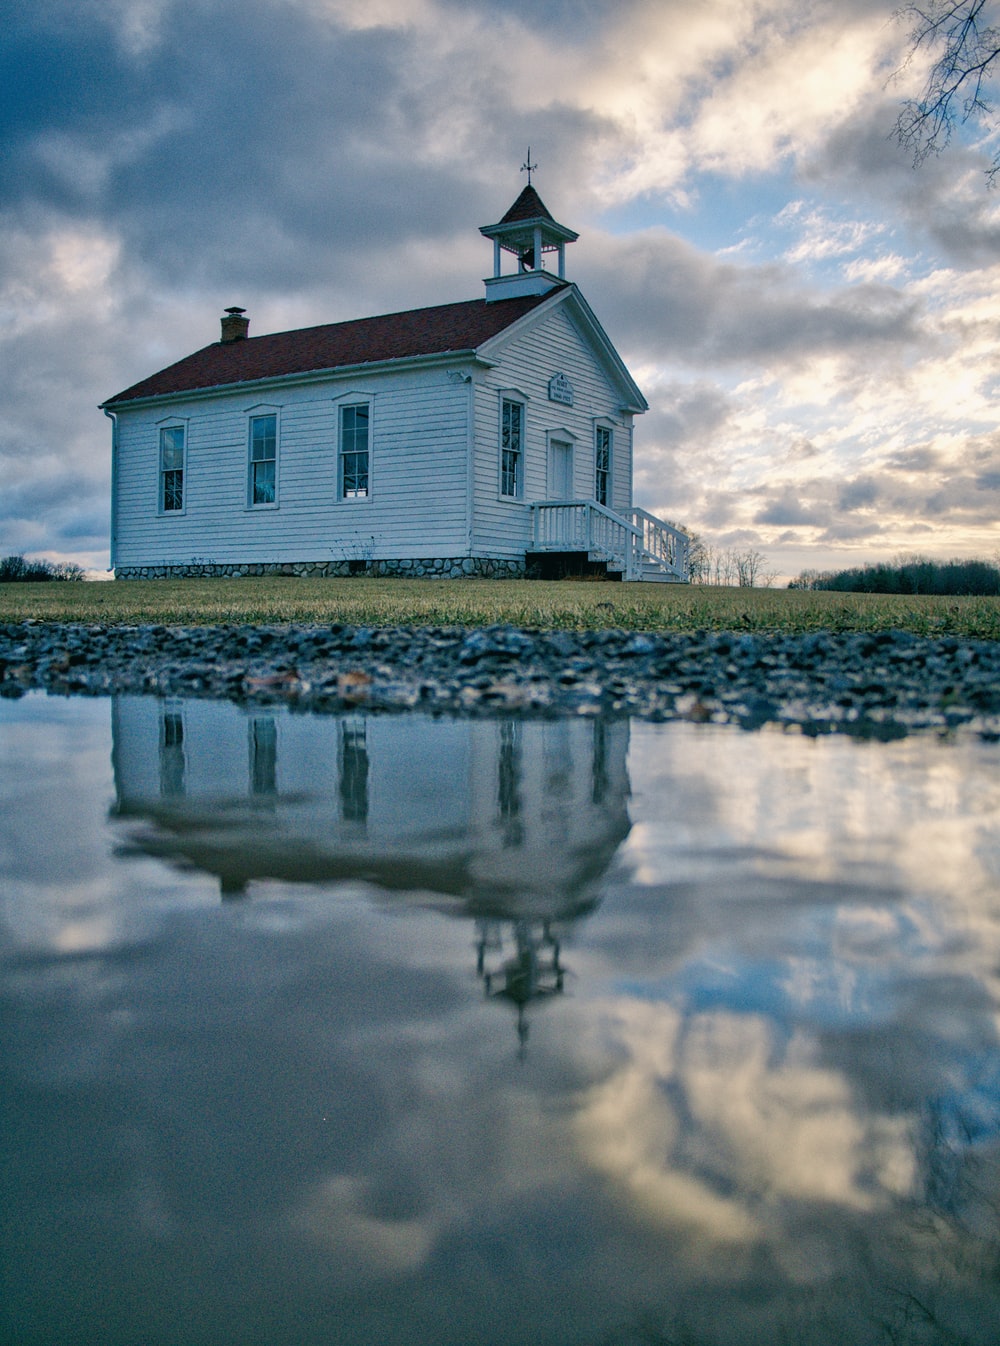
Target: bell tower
527, 231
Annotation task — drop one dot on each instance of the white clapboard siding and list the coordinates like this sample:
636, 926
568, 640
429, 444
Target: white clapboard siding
529, 359
418, 501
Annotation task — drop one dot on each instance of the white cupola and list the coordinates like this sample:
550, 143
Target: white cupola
529, 232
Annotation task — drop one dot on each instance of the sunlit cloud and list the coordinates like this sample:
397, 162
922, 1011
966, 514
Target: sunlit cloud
820, 237
882, 269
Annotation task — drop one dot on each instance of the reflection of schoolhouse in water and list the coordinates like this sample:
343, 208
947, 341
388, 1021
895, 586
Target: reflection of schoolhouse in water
516, 818
510, 822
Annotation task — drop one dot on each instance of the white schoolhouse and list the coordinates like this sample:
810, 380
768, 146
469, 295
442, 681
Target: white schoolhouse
488, 437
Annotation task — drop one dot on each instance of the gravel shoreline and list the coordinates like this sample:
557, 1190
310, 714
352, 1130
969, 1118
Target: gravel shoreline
881, 684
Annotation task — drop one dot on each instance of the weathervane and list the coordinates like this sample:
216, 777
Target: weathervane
528, 167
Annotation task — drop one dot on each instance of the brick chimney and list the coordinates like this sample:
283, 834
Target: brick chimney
234, 325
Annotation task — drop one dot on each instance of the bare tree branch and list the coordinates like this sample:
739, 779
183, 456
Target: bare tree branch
966, 47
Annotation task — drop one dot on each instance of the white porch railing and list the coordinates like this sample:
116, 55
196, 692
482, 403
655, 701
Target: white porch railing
583, 525
627, 544
660, 542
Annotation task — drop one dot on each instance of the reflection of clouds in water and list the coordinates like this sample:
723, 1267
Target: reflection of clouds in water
919, 813
334, 1214
788, 1124
446, 1151
719, 1103
629, 1129
423, 1123
778, 1038
818, 972
59, 891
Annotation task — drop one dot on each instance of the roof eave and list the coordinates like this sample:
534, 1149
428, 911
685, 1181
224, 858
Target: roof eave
537, 222
304, 376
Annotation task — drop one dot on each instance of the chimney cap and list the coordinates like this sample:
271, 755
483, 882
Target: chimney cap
236, 310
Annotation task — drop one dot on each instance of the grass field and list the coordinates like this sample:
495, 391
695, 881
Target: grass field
529, 603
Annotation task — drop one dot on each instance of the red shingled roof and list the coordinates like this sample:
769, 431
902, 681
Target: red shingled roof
528, 206
392, 336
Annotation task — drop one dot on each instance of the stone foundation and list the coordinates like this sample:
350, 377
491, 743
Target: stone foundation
437, 568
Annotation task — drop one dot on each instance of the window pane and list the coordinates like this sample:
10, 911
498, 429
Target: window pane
263, 459
263, 437
355, 419
172, 468
173, 490
172, 447
603, 449
602, 465
263, 483
355, 475
508, 475
511, 423
512, 412
354, 451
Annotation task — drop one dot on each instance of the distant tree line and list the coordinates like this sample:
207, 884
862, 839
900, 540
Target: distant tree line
16, 570
909, 575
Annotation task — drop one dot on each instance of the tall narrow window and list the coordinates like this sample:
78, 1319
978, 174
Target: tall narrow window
509, 784
354, 451
353, 771
511, 448
263, 755
602, 465
599, 763
172, 764
171, 468
263, 459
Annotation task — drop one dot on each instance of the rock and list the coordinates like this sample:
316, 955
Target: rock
881, 684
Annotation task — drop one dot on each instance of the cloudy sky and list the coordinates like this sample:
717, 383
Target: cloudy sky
813, 321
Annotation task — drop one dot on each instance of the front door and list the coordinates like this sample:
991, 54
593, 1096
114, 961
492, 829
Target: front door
560, 484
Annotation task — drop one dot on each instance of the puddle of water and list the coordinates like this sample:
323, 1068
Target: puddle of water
418, 1031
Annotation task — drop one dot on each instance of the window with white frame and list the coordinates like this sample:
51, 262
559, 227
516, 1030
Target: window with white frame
511, 448
602, 465
355, 450
172, 463
262, 487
